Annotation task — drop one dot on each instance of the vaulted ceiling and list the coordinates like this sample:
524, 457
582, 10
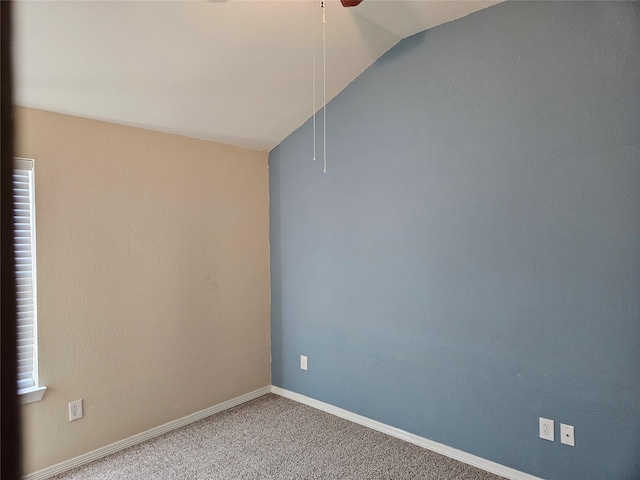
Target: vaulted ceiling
235, 71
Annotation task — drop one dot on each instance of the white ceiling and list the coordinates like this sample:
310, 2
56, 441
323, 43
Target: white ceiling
236, 71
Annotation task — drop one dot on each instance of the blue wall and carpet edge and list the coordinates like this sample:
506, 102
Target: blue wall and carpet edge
471, 260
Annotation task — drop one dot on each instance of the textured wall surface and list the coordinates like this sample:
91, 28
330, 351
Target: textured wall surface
153, 279
471, 260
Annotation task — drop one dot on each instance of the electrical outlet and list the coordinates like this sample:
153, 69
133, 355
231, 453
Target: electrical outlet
303, 362
546, 429
567, 435
75, 410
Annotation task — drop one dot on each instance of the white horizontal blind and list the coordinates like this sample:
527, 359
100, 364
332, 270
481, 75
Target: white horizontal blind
24, 240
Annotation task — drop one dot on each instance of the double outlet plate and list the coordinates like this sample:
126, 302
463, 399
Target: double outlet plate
547, 431
75, 410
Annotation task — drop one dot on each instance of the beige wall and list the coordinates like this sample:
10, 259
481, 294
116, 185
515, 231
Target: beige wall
153, 279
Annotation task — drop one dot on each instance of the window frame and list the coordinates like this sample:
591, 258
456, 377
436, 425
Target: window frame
32, 392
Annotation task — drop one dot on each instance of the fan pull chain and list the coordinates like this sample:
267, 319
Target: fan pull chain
313, 32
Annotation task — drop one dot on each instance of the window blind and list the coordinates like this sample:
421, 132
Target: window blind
24, 240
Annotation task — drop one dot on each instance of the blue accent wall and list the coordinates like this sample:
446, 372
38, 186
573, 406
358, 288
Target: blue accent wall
471, 260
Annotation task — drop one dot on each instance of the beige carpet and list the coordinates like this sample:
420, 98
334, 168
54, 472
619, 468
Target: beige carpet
275, 438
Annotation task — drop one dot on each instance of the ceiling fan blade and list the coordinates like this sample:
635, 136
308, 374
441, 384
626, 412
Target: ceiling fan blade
350, 3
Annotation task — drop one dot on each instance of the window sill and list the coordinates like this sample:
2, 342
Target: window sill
31, 394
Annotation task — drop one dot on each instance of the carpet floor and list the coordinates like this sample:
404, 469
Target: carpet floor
272, 437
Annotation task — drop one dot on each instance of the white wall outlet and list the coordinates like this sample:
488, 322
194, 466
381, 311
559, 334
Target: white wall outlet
567, 435
75, 410
547, 429
303, 362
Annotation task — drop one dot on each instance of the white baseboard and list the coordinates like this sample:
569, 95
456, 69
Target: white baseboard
450, 452
144, 436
